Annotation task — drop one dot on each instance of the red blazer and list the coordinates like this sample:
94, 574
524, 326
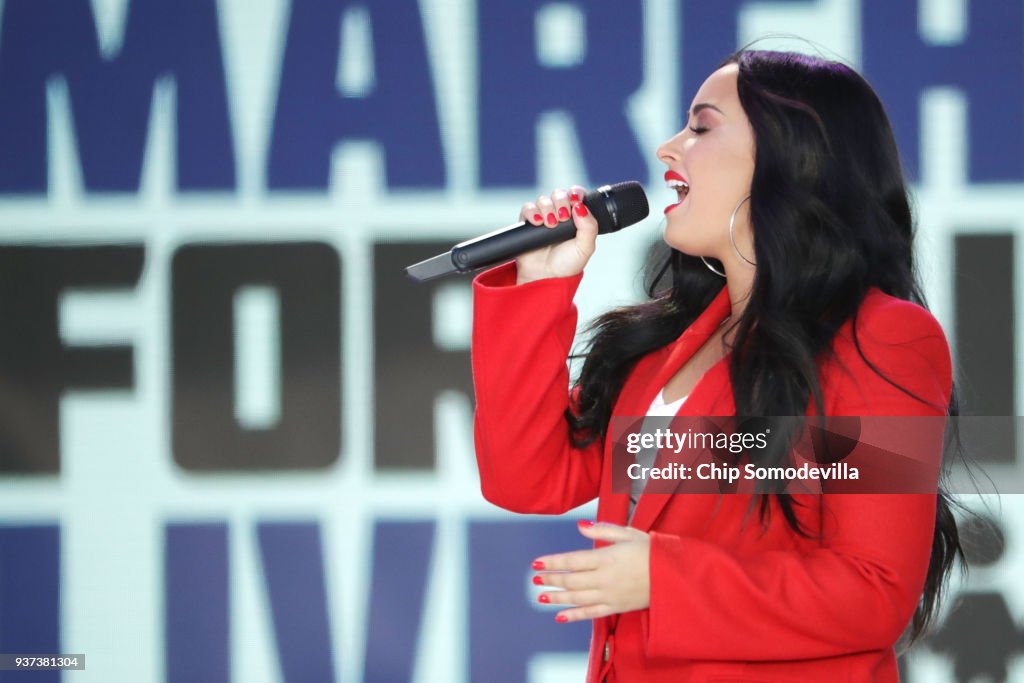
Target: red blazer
728, 601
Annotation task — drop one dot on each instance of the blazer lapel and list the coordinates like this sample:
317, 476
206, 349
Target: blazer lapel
700, 400
644, 383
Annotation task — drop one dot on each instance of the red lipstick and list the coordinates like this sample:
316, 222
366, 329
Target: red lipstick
679, 184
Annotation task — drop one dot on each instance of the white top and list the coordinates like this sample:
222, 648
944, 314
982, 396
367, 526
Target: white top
646, 458
659, 407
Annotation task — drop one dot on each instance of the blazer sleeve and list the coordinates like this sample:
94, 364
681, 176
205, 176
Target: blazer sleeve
858, 589
521, 340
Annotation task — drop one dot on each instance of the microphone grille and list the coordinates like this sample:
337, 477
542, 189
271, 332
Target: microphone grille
618, 206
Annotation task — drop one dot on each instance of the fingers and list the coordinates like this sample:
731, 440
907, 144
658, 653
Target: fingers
566, 258
584, 560
576, 194
586, 224
610, 579
579, 598
576, 561
547, 209
570, 581
531, 213
550, 210
584, 612
613, 533
589, 604
560, 200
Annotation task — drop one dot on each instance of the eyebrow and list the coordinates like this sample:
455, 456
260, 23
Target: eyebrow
705, 105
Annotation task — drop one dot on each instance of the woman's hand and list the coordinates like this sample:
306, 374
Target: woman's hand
608, 580
565, 258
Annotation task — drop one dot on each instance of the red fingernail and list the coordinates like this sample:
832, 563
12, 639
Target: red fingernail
544, 597
551, 219
538, 581
563, 213
561, 618
581, 210
537, 217
574, 197
585, 523
537, 565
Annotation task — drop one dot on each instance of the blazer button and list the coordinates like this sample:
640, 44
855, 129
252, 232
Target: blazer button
607, 650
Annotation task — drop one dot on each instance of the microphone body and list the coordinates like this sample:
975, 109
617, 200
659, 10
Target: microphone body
613, 206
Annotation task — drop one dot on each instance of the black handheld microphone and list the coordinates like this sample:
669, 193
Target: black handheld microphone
614, 206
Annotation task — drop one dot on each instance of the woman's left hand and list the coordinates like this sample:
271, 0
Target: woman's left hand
599, 582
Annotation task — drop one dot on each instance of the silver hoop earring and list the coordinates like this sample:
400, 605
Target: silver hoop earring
711, 267
732, 237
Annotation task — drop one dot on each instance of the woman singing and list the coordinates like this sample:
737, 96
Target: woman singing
789, 290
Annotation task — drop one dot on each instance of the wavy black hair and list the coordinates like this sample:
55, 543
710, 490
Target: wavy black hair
828, 194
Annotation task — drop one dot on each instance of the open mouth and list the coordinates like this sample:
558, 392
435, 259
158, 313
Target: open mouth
676, 182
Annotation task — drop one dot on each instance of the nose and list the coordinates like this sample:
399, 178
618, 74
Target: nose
668, 151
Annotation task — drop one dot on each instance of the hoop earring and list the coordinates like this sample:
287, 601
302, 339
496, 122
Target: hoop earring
732, 237
711, 267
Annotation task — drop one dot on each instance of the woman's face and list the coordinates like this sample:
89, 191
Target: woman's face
718, 164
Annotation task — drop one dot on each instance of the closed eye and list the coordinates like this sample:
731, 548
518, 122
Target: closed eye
699, 131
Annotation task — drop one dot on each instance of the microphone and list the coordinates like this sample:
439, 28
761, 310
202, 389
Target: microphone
614, 206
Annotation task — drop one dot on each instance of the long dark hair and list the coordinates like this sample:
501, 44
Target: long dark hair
832, 219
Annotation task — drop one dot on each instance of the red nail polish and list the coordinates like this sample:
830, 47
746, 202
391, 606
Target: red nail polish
563, 213
537, 217
585, 523
538, 581
537, 565
574, 197
581, 210
551, 219
544, 597
561, 618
